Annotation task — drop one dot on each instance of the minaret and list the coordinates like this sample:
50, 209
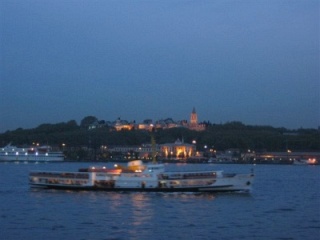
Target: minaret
194, 118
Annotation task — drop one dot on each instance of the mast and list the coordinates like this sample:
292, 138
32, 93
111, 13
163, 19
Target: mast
153, 147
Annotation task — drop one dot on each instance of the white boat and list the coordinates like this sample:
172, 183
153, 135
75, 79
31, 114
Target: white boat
309, 161
139, 177
12, 153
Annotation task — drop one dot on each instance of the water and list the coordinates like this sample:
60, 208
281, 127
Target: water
284, 204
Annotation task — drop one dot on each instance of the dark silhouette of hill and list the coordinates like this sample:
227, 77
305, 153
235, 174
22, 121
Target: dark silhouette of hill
220, 136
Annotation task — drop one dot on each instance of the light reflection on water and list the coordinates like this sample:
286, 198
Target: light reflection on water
284, 204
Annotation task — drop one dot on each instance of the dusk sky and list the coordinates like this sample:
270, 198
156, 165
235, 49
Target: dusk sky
251, 61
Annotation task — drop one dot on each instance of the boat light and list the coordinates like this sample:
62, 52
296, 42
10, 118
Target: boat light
17, 153
312, 161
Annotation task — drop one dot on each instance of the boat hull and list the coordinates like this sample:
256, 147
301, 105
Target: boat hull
186, 189
245, 186
32, 159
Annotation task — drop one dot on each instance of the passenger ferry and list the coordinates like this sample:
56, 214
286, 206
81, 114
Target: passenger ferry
139, 177
12, 153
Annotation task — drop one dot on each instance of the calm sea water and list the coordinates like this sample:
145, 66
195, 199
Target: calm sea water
284, 204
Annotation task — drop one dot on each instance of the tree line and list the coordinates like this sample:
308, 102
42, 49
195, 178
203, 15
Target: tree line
217, 136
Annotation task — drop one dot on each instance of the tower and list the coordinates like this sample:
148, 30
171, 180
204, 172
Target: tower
194, 125
194, 118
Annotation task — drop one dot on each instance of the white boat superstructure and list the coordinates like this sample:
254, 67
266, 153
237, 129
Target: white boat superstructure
153, 178
12, 153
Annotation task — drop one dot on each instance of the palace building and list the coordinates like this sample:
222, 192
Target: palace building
148, 124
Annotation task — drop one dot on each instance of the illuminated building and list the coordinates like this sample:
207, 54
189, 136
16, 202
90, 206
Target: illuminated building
178, 149
123, 125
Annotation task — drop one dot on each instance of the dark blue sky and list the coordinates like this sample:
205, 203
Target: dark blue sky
250, 61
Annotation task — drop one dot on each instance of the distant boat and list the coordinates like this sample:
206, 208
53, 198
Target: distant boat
309, 161
142, 178
220, 160
12, 153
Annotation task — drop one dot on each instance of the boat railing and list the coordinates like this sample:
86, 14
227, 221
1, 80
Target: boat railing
229, 175
194, 175
60, 175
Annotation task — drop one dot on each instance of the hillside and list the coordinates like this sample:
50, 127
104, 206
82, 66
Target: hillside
221, 136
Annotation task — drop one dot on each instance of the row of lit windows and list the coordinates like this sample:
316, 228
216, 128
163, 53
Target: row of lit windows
26, 154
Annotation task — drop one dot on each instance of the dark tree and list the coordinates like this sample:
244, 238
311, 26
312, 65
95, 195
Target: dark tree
85, 122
